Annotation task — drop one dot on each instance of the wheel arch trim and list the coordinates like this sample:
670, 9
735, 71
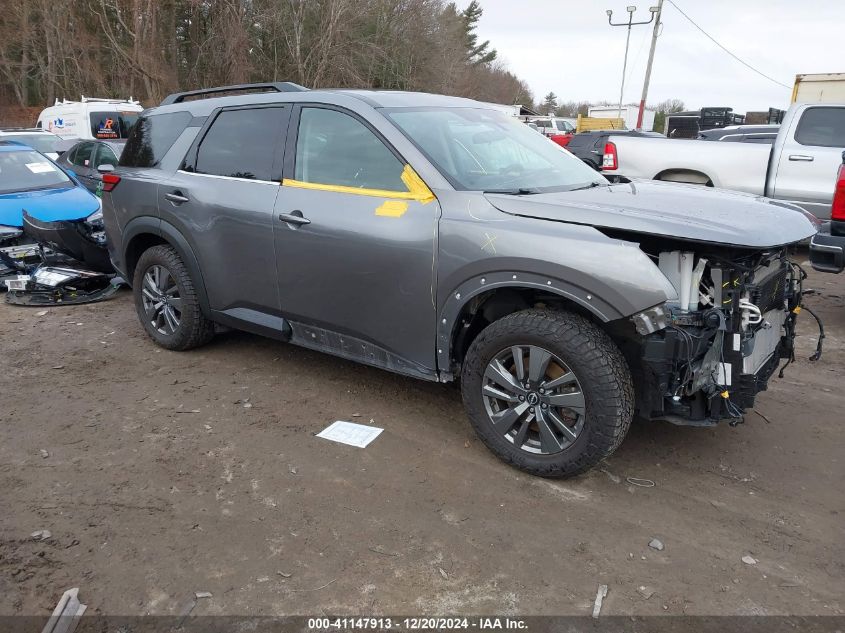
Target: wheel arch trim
172, 236
459, 298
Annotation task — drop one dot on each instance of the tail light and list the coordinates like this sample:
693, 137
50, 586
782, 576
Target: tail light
837, 211
110, 181
609, 160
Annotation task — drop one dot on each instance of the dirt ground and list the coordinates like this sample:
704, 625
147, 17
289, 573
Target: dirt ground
169, 473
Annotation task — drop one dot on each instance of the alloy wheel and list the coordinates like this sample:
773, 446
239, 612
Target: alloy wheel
533, 399
161, 300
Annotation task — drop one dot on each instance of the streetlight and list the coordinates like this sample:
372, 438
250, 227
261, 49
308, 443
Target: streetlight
629, 24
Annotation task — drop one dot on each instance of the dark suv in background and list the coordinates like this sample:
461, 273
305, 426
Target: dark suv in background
439, 238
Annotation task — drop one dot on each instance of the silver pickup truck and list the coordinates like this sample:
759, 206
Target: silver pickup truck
800, 167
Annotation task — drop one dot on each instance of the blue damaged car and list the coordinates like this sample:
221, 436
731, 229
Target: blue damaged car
42, 204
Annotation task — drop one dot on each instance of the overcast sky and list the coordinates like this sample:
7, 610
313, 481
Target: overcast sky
567, 46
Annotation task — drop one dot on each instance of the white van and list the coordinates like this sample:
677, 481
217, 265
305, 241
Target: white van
90, 118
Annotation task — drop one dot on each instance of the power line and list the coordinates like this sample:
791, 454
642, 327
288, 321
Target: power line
712, 39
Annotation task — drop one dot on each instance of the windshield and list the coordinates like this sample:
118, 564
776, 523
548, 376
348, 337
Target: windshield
563, 126
485, 150
44, 143
27, 170
113, 124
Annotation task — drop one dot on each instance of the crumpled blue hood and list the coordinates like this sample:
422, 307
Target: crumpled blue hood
49, 205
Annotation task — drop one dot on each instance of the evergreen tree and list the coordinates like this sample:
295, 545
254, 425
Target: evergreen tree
476, 53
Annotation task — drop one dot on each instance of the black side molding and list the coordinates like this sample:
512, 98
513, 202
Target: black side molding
273, 86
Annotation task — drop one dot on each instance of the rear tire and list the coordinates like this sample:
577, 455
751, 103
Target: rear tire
166, 301
574, 376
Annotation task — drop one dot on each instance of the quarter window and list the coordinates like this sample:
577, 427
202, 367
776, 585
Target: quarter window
151, 137
241, 144
105, 156
822, 127
333, 148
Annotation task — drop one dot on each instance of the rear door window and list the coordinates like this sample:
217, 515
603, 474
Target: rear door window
83, 154
152, 137
241, 144
112, 124
334, 148
822, 127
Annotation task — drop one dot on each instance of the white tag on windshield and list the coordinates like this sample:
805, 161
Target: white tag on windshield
40, 168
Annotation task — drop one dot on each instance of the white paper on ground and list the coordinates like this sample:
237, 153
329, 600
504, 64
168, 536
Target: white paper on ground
350, 433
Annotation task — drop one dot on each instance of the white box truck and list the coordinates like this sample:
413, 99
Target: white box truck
629, 115
819, 88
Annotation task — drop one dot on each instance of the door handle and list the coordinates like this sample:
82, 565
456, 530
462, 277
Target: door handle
176, 197
295, 218
801, 157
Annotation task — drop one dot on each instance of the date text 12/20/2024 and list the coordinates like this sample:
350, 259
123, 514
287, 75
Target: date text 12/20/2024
415, 624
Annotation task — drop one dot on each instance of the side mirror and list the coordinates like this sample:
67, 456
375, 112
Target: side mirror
105, 168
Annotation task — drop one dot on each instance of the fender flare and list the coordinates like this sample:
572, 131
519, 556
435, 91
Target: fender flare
174, 237
456, 301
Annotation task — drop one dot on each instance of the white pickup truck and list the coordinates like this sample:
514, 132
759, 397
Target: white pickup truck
800, 167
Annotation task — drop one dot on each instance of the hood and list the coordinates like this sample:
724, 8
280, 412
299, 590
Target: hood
49, 205
688, 212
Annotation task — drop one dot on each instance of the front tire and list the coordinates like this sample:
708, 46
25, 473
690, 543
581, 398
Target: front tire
166, 301
548, 392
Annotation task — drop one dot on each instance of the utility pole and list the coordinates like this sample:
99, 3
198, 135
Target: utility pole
654, 35
629, 24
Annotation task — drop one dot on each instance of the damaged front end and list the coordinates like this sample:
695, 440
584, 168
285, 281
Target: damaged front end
58, 262
82, 240
704, 357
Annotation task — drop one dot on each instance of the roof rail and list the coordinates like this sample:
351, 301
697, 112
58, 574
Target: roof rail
273, 86
21, 129
84, 99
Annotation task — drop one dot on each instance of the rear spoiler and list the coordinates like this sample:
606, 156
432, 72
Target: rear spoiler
274, 86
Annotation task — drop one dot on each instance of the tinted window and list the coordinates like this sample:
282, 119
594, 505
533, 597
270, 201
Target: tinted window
334, 148
241, 144
822, 127
151, 137
112, 125
82, 155
27, 170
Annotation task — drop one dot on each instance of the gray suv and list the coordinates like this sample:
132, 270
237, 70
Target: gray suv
438, 238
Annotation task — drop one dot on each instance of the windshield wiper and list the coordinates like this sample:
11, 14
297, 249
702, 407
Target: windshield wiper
588, 186
521, 191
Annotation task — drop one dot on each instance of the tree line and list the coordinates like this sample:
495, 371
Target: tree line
149, 48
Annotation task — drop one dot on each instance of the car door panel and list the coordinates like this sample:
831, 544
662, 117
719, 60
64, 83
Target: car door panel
357, 280
82, 165
229, 223
806, 172
223, 200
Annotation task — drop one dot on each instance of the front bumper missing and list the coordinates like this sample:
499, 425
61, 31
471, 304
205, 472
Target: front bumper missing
708, 365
